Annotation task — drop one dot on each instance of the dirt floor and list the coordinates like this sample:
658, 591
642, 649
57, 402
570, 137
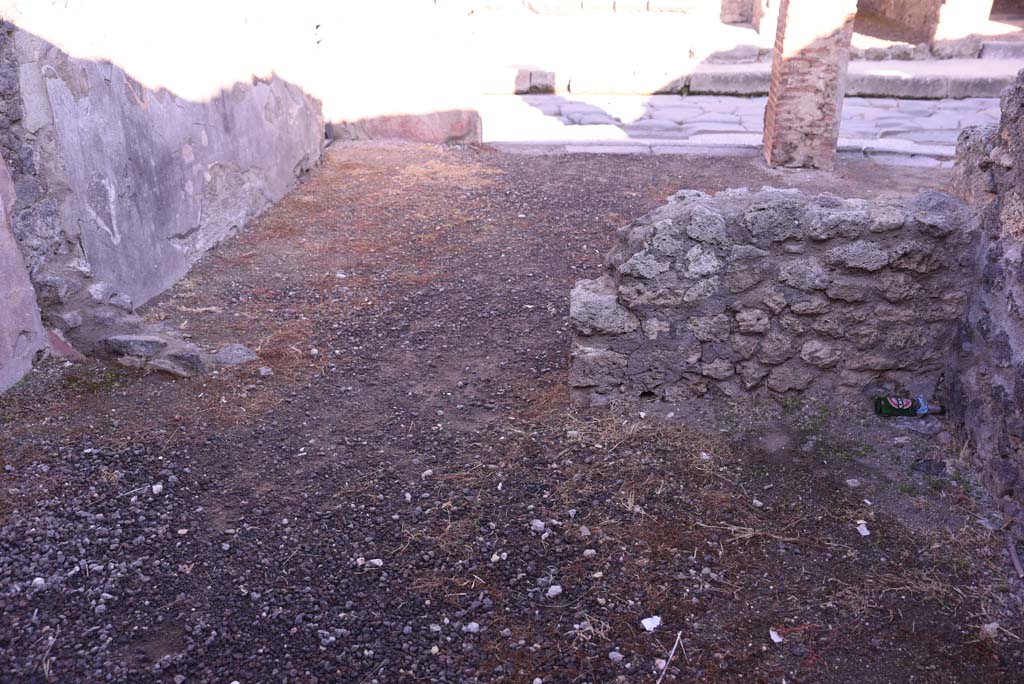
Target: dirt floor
409, 497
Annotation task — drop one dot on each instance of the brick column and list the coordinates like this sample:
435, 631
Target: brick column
805, 101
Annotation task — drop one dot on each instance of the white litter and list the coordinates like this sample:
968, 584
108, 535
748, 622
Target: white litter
862, 527
651, 623
776, 637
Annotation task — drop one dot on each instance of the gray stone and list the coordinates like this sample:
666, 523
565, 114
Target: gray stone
594, 309
792, 375
898, 287
819, 353
745, 252
860, 255
775, 301
937, 214
670, 239
830, 217
706, 225
701, 262
719, 369
916, 256
710, 328
596, 367
643, 265
143, 346
702, 290
752, 321
776, 347
848, 290
775, 221
751, 373
804, 274
745, 345
886, 217
809, 307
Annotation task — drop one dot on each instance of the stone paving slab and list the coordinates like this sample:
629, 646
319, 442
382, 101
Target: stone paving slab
933, 79
912, 132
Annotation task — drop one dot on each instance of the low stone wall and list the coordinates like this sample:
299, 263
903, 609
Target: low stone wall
121, 188
988, 371
774, 291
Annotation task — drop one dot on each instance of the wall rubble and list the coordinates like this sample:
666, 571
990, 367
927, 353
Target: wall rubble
774, 292
121, 188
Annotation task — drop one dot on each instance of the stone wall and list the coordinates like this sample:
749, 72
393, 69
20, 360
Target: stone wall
121, 188
774, 291
21, 331
949, 25
988, 371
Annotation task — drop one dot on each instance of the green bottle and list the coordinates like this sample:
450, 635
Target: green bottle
901, 406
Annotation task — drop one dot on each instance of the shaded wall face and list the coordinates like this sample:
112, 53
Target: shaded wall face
989, 368
122, 187
21, 332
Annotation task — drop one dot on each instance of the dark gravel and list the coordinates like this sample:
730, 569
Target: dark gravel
400, 504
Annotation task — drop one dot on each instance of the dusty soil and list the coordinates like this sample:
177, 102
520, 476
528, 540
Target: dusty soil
399, 500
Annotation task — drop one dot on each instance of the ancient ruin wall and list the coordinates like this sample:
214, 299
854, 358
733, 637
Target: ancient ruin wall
774, 291
21, 331
988, 375
120, 188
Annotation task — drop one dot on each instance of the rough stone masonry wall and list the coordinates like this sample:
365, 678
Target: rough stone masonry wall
988, 374
21, 331
120, 188
774, 291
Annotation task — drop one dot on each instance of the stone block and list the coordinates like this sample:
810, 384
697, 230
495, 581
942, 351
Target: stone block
861, 255
753, 321
792, 375
594, 309
446, 127
714, 328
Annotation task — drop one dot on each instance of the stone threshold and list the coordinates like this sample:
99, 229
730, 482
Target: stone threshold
931, 79
888, 152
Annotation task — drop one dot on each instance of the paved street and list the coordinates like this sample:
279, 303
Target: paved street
910, 132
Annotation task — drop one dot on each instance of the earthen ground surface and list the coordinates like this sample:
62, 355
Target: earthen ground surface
429, 429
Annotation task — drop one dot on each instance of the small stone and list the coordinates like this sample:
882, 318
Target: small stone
158, 488
554, 590
589, 553
38, 583
758, 503
537, 526
375, 563
615, 657
233, 355
265, 371
853, 483
989, 631
178, 679
473, 628
753, 321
